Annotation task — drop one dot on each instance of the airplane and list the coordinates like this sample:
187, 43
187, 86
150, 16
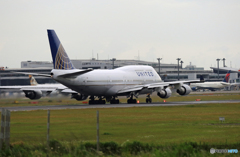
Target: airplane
212, 85
129, 81
36, 91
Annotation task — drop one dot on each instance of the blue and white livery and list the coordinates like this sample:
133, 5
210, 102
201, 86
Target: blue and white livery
107, 85
59, 56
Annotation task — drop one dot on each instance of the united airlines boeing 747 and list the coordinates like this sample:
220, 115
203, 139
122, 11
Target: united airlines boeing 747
106, 85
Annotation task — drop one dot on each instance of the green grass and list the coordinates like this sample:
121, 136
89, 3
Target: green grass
170, 124
45, 101
56, 148
189, 130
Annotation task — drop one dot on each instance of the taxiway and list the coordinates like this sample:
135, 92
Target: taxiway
81, 106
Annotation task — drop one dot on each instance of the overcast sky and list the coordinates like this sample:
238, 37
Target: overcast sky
196, 31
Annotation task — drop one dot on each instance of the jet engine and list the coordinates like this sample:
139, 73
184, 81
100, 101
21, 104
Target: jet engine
165, 93
184, 90
33, 95
79, 96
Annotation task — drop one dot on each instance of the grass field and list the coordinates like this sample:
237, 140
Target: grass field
167, 126
175, 124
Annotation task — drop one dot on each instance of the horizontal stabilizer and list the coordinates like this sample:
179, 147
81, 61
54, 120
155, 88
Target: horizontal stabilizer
75, 74
35, 74
225, 83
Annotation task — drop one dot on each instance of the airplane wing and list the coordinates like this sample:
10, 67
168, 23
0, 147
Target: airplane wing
175, 83
44, 88
11, 87
69, 91
155, 85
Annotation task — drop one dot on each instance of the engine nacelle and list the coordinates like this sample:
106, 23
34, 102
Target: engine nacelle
184, 90
165, 93
33, 95
79, 96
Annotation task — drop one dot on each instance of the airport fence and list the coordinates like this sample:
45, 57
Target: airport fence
5, 129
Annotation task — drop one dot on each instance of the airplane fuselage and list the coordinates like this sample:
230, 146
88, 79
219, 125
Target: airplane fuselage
210, 85
109, 82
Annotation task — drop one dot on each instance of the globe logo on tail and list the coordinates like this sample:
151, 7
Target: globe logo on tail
62, 61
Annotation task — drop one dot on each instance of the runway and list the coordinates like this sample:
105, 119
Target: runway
81, 106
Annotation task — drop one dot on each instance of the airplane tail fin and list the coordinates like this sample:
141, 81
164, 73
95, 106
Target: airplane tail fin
33, 82
59, 55
226, 79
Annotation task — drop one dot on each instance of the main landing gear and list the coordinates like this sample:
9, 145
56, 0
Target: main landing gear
131, 100
114, 100
148, 99
99, 101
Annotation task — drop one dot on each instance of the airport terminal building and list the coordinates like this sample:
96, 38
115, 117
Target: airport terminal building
168, 72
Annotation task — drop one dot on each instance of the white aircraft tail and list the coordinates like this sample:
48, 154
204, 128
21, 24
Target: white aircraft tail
33, 81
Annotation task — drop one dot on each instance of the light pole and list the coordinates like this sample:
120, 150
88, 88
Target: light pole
181, 64
159, 65
113, 59
224, 62
218, 66
178, 59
